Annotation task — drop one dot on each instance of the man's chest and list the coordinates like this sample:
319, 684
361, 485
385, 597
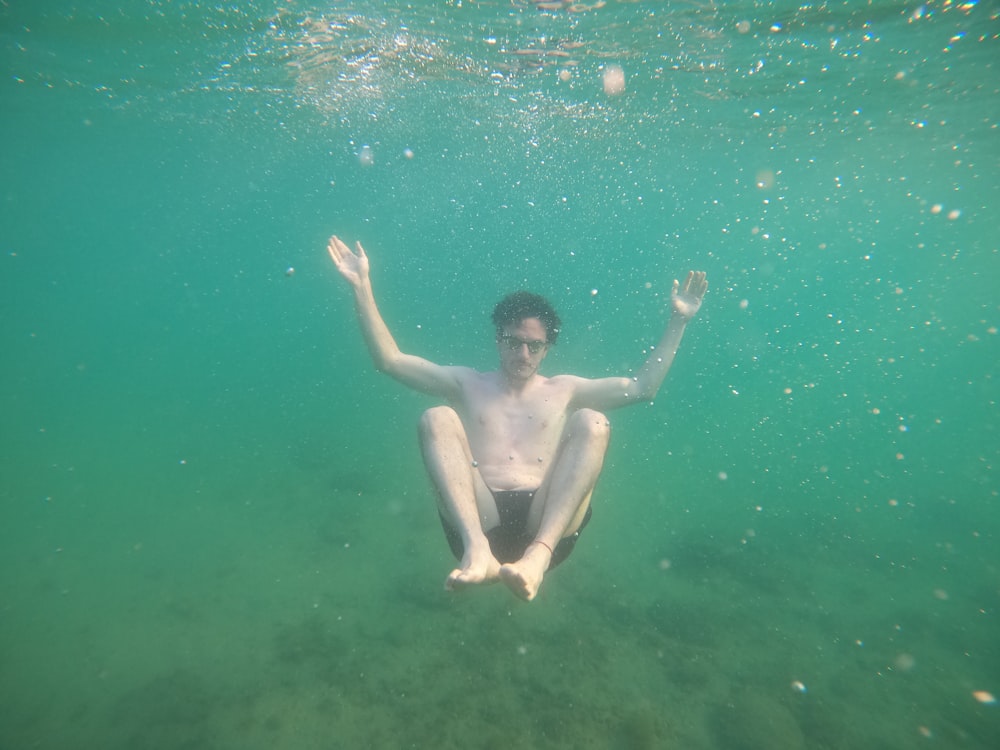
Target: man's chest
522, 415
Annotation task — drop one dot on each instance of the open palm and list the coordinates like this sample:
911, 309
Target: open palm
352, 266
686, 299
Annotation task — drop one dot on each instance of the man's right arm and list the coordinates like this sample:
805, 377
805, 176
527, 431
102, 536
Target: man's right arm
612, 393
415, 372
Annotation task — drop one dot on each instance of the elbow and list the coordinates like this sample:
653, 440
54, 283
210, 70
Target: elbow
643, 395
384, 358
387, 364
642, 391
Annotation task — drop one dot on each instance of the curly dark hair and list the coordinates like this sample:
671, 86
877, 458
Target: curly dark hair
517, 306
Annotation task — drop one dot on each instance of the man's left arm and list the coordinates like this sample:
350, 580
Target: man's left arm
612, 393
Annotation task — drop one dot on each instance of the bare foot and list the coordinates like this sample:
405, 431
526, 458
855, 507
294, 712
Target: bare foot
477, 567
525, 576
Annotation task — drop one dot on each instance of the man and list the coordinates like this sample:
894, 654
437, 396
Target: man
515, 455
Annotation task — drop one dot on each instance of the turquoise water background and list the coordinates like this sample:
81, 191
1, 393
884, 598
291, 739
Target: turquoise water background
215, 529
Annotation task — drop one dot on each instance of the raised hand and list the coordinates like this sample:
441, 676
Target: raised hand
353, 267
686, 300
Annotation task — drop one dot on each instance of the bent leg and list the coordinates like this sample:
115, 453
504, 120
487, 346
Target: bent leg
463, 498
562, 501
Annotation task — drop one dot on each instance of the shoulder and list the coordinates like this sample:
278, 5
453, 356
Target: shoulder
469, 378
468, 374
598, 393
565, 383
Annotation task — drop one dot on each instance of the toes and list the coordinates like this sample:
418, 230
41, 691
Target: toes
454, 580
516, 582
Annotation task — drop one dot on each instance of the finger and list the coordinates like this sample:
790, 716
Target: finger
361, 250
695, 283
337, 249
677, 286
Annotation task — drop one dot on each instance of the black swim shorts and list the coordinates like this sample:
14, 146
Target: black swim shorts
511, 538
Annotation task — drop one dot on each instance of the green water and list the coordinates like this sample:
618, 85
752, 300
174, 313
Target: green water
215, 530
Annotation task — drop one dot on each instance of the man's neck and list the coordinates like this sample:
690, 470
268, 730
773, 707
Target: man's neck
516, 386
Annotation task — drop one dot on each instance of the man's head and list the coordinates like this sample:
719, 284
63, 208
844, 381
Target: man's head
526, 326
517, 306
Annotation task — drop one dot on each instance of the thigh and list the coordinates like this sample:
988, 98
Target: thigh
538, 510
442, 439
486, 504
575, 469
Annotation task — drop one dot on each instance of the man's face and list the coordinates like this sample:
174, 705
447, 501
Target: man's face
522, 348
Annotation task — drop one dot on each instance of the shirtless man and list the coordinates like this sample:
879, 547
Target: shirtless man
515, 455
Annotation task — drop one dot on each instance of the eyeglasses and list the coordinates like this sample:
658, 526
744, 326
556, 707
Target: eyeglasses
513, 343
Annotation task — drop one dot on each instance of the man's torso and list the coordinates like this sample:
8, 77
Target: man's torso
514, 435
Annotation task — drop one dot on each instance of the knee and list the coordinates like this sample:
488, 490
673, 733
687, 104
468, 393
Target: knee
438, 419
592, 424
